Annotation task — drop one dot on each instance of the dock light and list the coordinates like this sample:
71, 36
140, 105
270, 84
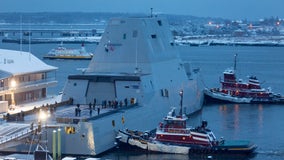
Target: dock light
13, 83
42, 115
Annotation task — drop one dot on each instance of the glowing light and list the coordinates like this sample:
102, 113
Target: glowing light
250, 26
181, 93
13, 83
43, 115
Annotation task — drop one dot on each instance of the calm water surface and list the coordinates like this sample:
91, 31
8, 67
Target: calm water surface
263, 124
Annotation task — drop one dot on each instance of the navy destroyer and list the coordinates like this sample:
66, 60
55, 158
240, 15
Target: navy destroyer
137, 64
135, 60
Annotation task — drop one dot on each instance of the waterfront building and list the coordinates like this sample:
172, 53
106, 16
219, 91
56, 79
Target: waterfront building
23, 77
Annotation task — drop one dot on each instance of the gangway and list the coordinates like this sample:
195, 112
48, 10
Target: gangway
13, 134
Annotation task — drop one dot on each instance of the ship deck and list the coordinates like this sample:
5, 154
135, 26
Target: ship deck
12, 133
63, 114
68, 115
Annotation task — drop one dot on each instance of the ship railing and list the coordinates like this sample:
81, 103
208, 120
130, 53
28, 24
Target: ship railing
174, 130
86, 117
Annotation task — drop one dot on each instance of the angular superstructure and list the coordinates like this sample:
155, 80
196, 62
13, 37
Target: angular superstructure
136, 56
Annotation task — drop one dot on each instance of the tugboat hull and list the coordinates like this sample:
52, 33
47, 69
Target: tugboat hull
211, 96
216, 97
233, 90
150, 145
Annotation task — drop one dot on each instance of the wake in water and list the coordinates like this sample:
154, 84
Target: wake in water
271, 154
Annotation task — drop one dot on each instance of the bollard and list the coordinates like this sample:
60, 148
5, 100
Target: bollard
54, 144
59, 143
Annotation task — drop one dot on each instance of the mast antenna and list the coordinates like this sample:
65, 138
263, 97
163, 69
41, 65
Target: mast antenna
235, 62
136, 57
21, 34
181, 99
30, 41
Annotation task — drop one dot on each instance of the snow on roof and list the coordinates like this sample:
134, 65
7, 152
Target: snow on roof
20, 62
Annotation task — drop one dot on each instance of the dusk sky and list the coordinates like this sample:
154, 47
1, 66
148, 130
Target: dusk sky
232, 9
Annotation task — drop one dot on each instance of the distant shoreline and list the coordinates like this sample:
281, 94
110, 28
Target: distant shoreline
190, 42
271, 41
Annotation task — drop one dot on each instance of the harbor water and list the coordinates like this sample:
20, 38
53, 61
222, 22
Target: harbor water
263, 124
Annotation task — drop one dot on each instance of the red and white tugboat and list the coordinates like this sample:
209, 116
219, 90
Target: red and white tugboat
173, 136
237, 91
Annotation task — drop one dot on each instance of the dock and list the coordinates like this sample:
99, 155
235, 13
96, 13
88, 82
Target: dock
37, 36
51, 32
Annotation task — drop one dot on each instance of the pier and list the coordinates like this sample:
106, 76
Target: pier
51, 32
36, 36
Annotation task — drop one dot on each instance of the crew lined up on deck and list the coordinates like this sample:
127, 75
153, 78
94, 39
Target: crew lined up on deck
105, 104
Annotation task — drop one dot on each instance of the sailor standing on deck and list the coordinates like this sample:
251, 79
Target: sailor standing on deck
125, 101
91, 112
76, 112
95, 101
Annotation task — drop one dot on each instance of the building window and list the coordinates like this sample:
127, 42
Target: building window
42, 76
21, 78
2, 83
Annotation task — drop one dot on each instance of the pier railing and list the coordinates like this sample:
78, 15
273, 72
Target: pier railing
16, 135
19, 116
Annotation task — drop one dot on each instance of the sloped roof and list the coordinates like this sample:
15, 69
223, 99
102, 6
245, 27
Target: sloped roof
20, 62
4, 74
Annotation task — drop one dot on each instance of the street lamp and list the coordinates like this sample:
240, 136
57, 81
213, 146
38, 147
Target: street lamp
43, 116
